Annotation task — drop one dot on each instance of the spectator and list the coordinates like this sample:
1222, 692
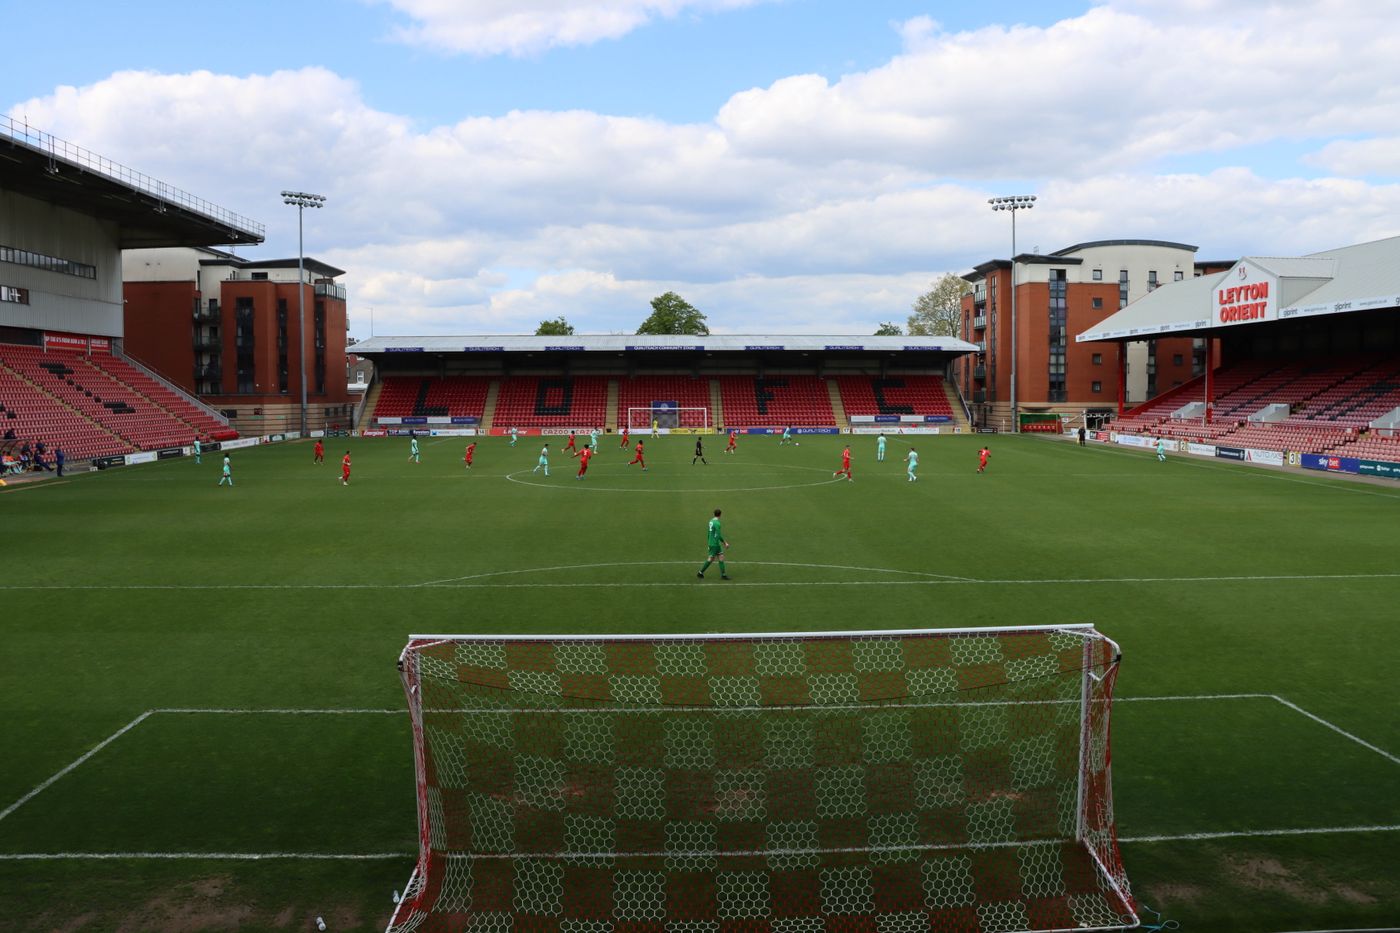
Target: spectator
9, 434
59, 457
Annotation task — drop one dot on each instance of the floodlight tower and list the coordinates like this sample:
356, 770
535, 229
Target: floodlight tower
302, 200
1013, 203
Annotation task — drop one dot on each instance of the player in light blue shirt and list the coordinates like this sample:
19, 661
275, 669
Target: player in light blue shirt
544, 461
787, 436
514, 434
413, 449
228, 472
913, 459
593, 438
880, 449
198, 449
1161, 449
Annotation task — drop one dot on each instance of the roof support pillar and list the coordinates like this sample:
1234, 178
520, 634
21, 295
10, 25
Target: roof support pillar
1210, 365
1122, 374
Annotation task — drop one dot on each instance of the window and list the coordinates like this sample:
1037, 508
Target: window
243, 345
259, 276
1097, 387
282, 370
1098, 303
19, 296
1176, 359
1178, 275
1152, 280
320, 332
1122, 288
1098, 359
1059, 334
24, 257
1098, 275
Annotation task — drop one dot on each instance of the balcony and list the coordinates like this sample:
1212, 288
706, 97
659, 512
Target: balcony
212, 373
979, 372
328, 290
206, 342
979, 396
981, 346
980, 321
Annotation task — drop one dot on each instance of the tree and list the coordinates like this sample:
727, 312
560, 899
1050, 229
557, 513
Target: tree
938, 311
886, 329
672, 314
555, 328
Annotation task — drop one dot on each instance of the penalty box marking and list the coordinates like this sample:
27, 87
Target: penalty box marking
294, 711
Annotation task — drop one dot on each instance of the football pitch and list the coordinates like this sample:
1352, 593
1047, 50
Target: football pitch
203, 726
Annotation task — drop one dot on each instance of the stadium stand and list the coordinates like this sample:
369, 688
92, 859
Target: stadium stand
552, 402
415, 396
894, 395
37, 416
775, 401
643, 391
69, 396
1330, 404
199, 420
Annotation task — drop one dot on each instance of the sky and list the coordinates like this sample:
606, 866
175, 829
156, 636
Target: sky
787, 166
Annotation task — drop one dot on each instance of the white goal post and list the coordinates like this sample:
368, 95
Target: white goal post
669, 417
930, 780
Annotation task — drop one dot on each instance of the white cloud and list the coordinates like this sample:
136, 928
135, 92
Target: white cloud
521, 27
809, 205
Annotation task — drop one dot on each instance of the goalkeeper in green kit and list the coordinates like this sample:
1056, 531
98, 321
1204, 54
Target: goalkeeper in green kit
717, 546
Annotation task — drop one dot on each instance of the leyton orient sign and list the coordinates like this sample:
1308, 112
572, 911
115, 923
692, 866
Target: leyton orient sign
1246, 295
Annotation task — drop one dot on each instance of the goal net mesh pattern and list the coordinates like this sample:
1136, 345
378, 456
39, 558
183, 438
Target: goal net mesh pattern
871, 783
640, 419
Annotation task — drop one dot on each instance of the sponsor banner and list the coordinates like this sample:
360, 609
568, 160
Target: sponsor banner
170, 453
144, 456
1104, 436
755, 430
672, 348
103, 463
1132, 440
564, 349
240, 443
374, 432
211, 447
463, 419
388, 420
1331, 464
452, 432
416, 419
582, 432
1267, 457
936, 419
293, 435
405, 432
761, 346
483, 349
780, 430
403, 349
65, 341
1378, 468
273, 438
1200, 450
1229, 453
862, 419
986, 430
521, 432
683, 431
923, 348
318, 434
99, 345
886, 419
843, 346
900, 430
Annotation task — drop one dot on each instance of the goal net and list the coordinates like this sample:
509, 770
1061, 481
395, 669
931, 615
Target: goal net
879, 782
667, 415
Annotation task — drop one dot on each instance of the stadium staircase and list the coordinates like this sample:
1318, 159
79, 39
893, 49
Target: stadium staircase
370, 403
614, 413
838, 410
716, 403
488, 410
959, 407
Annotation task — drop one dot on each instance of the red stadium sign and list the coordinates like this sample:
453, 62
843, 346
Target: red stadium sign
1253, 298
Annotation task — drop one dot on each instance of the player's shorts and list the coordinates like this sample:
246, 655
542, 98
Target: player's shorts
716, 550
544, 462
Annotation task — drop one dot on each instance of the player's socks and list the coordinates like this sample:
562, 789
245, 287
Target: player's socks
723, 574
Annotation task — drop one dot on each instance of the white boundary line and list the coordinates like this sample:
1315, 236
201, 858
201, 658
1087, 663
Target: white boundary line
295, 711
82, 758
950, 581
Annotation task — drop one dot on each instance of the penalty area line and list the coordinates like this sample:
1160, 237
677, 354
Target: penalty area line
82, 758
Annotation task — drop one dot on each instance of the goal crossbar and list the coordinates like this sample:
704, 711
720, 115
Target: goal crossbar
926, 779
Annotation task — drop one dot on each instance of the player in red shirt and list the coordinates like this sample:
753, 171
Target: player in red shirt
638, 458
345, 469
982, 456
471, 450
319, 452
733, 446
570, 445
584, 456
845, 464
626, 435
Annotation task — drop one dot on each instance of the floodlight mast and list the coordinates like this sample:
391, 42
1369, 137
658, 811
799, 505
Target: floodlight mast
302, 200
1013, 203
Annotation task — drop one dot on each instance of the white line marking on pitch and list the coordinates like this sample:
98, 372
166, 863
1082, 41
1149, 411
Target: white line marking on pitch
1337, 729
368, 856
950, 581
686, 563
90, 752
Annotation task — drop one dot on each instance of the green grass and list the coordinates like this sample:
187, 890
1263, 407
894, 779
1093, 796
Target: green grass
151, 588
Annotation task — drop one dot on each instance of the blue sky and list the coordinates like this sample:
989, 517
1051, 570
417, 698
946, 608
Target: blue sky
786, 164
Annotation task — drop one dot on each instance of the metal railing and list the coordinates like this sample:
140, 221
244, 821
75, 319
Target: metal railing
202, 342
21, 133
333, 291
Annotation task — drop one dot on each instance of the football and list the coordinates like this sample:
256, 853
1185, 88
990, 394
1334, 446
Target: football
797, 443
